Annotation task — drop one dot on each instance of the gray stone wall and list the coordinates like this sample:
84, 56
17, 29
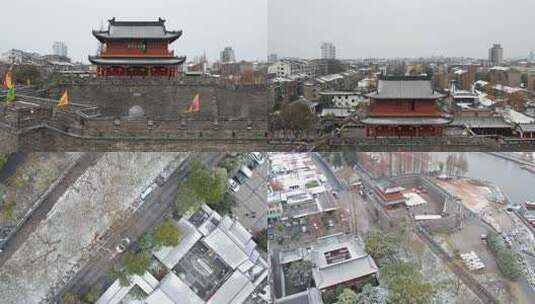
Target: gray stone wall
8, 140
170, 99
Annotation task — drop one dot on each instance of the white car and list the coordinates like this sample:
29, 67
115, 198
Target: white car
257, 157
233, 185
122, 245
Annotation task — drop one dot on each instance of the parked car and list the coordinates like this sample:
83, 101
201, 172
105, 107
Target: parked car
257, 157
123, 244
233, 185
270, 234
246, 171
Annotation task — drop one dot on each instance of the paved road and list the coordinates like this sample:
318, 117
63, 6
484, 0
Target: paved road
161, 205
41, 212
327, 171
252, 197
277, 279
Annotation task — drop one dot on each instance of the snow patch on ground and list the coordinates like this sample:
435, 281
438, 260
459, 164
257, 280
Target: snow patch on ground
97, 201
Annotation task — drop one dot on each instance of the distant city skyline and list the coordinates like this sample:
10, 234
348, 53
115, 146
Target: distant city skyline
400, 29
209, 26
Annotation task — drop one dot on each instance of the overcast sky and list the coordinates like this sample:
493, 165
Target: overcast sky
208, 25
401, 28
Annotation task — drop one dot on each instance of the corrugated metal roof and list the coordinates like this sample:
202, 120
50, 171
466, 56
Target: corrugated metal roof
405, 89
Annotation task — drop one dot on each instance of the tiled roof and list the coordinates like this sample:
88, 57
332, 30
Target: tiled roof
137, 30
405, 89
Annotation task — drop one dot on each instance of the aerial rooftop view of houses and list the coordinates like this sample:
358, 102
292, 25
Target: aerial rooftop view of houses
416, 219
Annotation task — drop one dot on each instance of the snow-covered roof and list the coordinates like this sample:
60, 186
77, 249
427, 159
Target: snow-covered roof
234, 291
515, 117
414, 199
173, 290
326, 273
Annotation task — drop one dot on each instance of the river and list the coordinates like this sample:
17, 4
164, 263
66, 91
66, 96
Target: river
517, 183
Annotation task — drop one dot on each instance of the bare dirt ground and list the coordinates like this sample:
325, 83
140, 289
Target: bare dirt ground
474, 196
31, 179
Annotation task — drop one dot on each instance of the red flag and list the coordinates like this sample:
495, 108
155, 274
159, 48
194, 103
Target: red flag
195, 104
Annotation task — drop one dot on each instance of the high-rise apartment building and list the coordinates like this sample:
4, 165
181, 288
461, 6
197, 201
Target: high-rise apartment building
59, 48
227, 55
496, 54
328, 50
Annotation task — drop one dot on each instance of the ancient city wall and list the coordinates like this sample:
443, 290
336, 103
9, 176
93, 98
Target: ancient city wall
169, 99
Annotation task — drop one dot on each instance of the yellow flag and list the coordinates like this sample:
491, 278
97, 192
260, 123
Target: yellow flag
8, 80
64, 99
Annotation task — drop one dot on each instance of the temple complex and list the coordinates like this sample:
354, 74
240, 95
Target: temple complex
404, 107
136, 48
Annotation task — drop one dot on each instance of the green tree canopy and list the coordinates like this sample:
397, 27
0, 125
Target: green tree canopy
166, 234
203, 185
406, 284
71, 298
208, 184
372, 295
380, 245
300, 274
296, 117
505, 257
225, 205
187, 200
347, 296
136, 263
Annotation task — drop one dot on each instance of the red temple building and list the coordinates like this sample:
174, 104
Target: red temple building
404, 107
136, 48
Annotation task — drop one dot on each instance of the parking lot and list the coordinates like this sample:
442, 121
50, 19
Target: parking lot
251, 207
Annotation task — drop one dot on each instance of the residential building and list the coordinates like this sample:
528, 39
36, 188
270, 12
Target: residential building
21, 57
505, 76
496, 54
228, 55
59, 48
290, 67
298, 186
272, 58
339, 261
465, 77
328, 50
216, 262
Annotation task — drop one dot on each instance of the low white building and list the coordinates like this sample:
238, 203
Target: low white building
216, 262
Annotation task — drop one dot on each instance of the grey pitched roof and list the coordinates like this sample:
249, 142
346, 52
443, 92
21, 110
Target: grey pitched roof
481, 122
309, 296
527, 127
137, 30
405, 89
137, 61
